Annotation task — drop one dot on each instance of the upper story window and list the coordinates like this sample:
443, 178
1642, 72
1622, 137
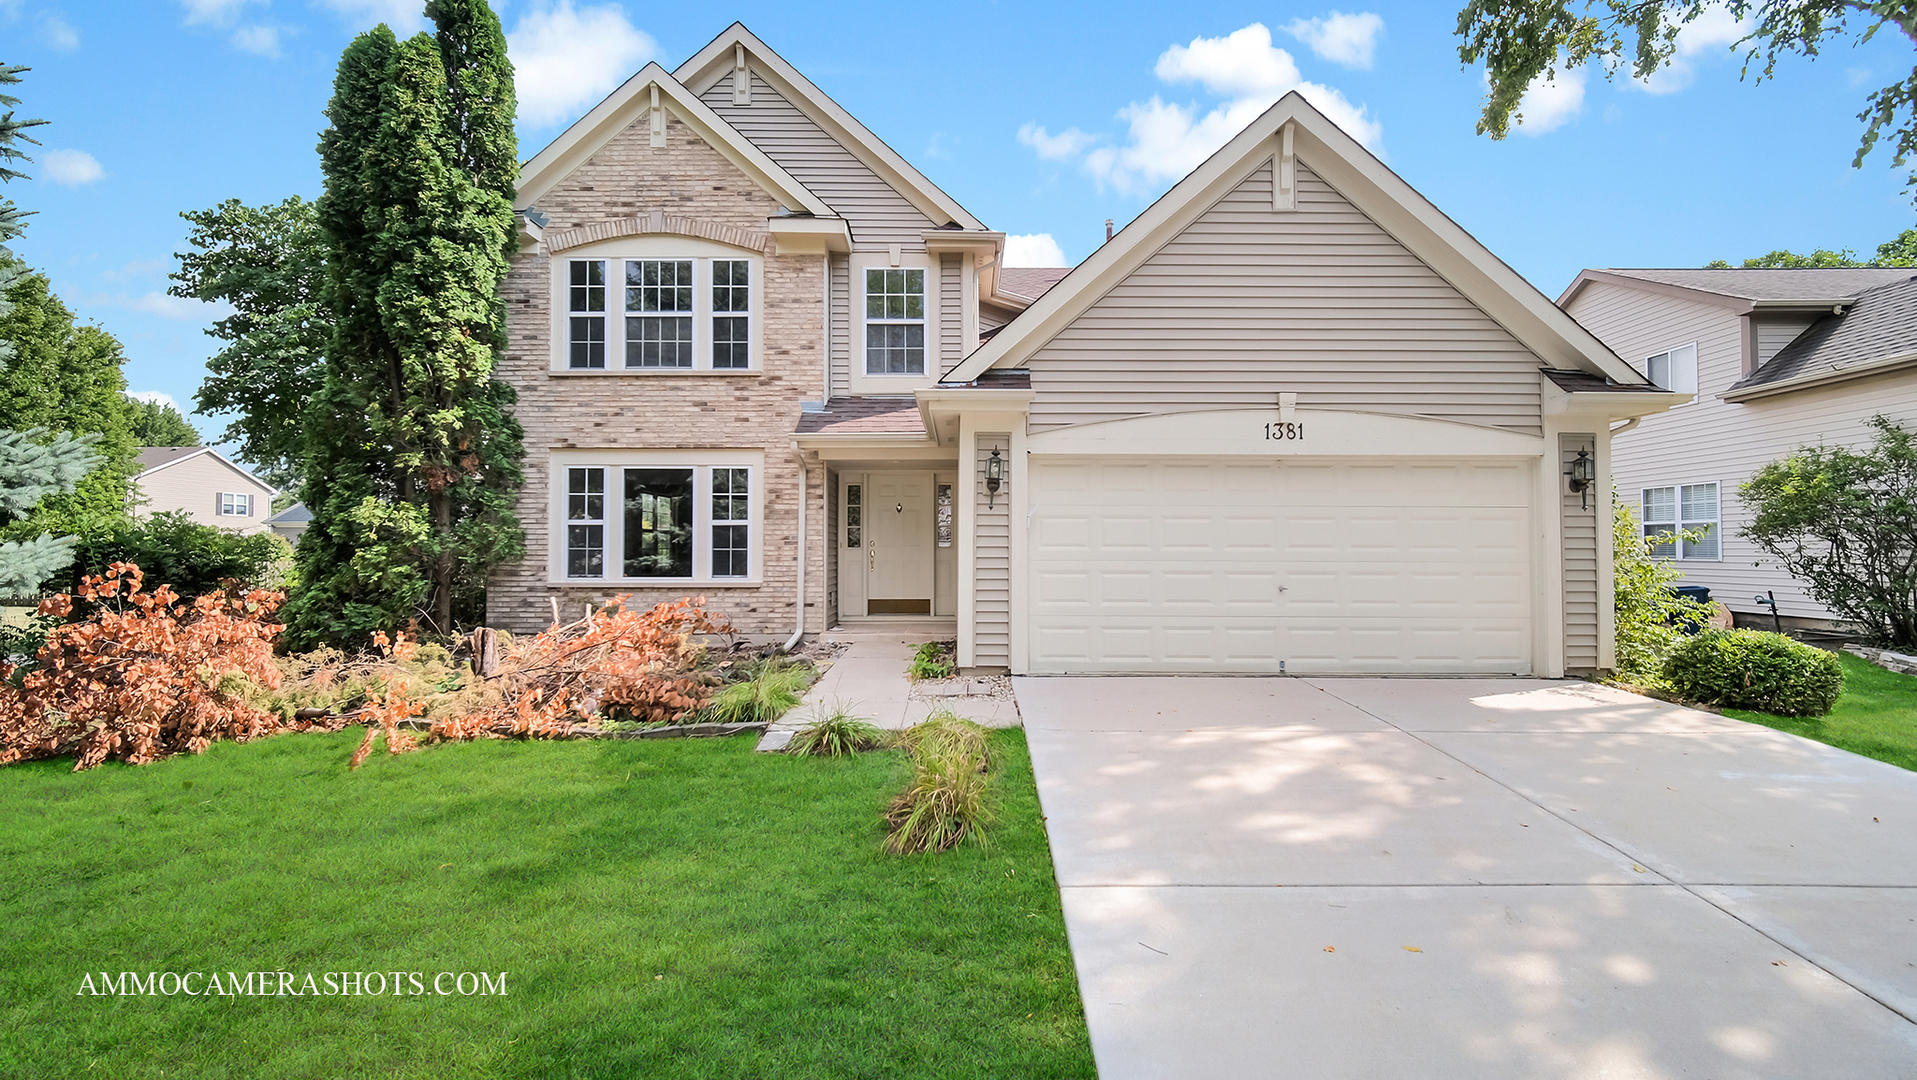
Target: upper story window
1675, 369
894, 322
678, 314
235, 504
1685, 508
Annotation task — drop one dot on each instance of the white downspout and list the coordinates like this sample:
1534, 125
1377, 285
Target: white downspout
1628, 425
798, 631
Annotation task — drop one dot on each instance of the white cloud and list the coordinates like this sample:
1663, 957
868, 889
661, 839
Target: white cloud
1242, 62
71, 168
155, 397
264, 40
1066, 144
60, 34
214, 12
1714, 30
566, 58
137, 268
1343, 39
1550, 104
1033, 249
401, 15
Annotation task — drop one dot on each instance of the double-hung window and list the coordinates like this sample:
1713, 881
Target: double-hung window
678, 314
1674, 369
668, 522
235, 504
586, 314
1670, 512
894, 322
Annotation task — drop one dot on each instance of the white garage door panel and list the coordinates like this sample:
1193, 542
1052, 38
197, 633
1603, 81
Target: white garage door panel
1373, 566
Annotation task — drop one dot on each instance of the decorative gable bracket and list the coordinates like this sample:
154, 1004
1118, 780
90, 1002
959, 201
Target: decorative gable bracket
658, 119
1284, 173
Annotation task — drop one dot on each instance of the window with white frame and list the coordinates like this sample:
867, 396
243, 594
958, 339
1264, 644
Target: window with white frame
1674, 369
894, 322
1670, 512
669, 522
235, 504
675, 314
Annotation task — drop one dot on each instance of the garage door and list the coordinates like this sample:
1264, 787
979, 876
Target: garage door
1330, 566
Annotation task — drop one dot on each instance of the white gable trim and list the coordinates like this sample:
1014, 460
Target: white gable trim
630, 104
1381, 194
718, 61
215, 455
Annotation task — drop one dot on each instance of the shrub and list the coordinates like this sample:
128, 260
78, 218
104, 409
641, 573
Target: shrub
174, 550
1751, 669
838, 735
764, 697
932, 661
950, 796
1650, 617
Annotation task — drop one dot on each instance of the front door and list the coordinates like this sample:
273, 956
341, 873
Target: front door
898, 529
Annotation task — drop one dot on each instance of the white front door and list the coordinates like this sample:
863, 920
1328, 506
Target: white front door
898, 538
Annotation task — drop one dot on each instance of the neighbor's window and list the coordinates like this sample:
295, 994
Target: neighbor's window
585, 523
895, 322
1669, 511
731, 512
1675, 369
235, 504
853, 515
586, 323
659, 313
731, 301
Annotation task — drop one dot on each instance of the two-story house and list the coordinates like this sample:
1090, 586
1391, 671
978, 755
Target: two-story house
202, 482
1290, 419
1777, 359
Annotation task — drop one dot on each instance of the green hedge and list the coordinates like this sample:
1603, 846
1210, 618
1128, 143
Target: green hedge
1751, 669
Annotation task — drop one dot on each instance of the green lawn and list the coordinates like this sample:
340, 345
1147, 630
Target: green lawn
679, 908
1876, 716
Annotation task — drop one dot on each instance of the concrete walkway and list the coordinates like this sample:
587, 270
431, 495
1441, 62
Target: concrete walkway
868, 680
1471, 878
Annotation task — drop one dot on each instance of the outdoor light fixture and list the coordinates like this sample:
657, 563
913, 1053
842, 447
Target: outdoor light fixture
1582, 472
994, 477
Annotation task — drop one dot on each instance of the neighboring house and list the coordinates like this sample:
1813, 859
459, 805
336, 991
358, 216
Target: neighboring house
196, 479
290, 524
1778, 359
1291, 419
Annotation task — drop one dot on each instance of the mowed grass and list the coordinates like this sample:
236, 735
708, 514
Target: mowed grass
1875, 717
681, 908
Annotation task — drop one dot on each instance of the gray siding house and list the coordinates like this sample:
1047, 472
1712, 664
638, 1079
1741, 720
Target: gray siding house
1291, 419
1777, 359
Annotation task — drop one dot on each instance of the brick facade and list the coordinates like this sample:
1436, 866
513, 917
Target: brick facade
687, 179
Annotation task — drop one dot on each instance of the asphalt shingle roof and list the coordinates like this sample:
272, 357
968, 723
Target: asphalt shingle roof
155, 456
1881, 324
1031, 282
1827, 286
865, 416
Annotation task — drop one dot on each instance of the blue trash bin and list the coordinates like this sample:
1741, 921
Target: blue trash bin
1699, 593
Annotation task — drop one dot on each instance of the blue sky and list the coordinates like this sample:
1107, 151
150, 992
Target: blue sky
1044, 120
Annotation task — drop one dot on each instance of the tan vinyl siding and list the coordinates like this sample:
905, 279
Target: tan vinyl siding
195, 485
878, 215
991, 563
841, 326
951, 307
1578, 525
1773, 335
1247, 302
1713, 439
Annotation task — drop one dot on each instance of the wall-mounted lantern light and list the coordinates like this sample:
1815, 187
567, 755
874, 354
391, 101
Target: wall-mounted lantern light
1583, 472
994, 477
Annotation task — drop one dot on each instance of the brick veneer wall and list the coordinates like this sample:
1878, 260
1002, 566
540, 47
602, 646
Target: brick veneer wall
686, 178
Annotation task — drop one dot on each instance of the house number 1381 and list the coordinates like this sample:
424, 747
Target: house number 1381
1283, 430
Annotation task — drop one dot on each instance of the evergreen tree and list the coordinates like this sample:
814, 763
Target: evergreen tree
269, 264
412, 453
157, 423
33, 467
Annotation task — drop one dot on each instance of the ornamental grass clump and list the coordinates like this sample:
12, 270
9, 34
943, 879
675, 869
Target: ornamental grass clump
1756, 670
838, 735
764, 697
950, 797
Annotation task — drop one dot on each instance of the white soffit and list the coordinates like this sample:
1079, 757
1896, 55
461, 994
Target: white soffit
715, 62
1384, 196
629, 104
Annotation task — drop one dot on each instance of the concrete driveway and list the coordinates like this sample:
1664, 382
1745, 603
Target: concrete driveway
1471, 878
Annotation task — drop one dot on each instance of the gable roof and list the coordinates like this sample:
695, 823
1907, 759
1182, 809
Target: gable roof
296, 514
1030, 282
1877, 332
715, 61
156, 458
1756, 286
627, 105
1394, 205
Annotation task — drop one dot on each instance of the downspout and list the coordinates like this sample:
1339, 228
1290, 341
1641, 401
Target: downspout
798, 631
1628, 425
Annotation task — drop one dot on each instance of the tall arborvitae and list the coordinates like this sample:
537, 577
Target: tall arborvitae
413, 455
